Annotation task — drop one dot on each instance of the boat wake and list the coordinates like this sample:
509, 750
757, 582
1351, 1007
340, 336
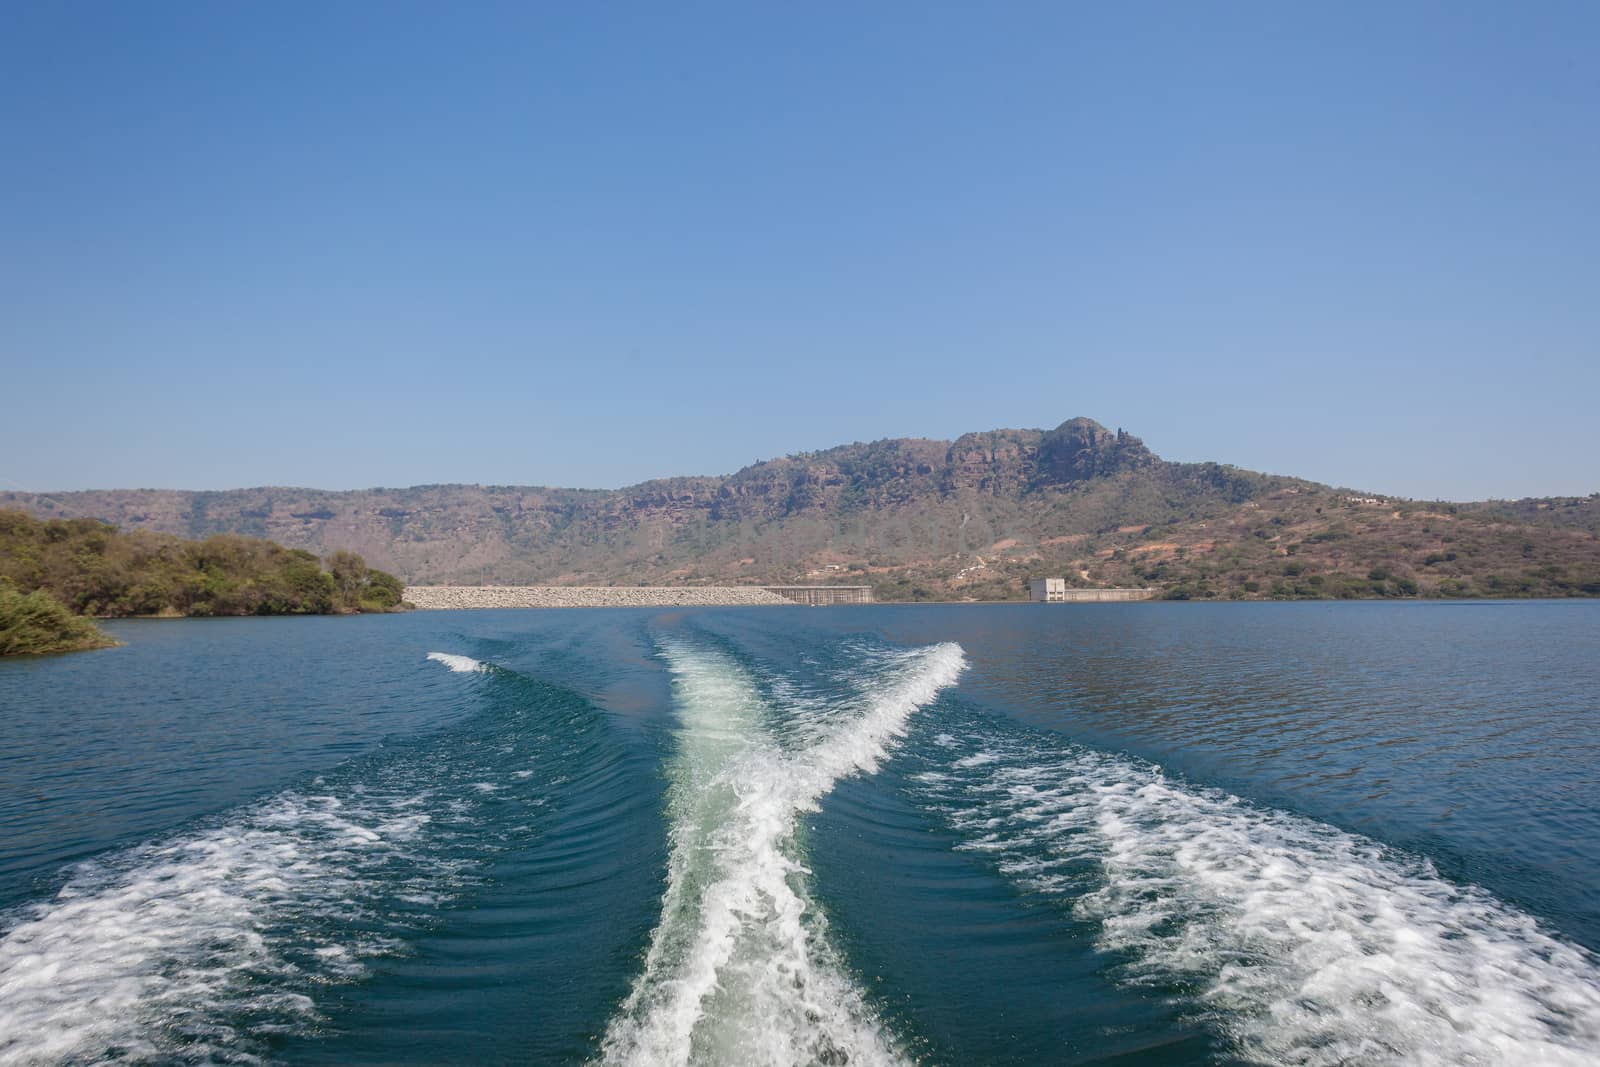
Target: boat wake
207, 946
740, 968
174, 945
1299, 942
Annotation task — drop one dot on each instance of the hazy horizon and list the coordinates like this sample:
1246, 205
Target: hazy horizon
725, 473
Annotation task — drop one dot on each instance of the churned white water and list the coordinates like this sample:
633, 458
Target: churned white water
177, 945
1302, 944
459, 664
739, 968
206, 945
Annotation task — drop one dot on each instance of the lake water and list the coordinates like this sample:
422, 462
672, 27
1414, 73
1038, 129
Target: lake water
1343, 833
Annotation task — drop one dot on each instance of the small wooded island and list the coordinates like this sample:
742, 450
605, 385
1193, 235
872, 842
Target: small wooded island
58, 574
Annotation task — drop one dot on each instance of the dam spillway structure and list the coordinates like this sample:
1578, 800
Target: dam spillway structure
820, 596
1056, 591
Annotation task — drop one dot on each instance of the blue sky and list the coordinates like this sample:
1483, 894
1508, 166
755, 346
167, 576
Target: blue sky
346, 245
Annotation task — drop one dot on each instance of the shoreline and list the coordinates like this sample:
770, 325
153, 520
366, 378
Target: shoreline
491, 597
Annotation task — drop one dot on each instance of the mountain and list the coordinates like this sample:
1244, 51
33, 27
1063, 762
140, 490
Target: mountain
918, 519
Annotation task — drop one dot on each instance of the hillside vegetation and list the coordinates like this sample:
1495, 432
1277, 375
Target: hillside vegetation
93, 569
973, 518
1311, 542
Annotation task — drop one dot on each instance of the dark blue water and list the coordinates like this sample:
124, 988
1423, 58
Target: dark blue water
1163, 834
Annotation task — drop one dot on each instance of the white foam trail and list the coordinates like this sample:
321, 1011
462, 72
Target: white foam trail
165, 951
459, 664
1309, 945
739, 969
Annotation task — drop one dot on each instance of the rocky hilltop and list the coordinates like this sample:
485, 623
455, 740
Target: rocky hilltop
917, 519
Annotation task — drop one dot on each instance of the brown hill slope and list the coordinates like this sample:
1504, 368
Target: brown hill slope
918, 519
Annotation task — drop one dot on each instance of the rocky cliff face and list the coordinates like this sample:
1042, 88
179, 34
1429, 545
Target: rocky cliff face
1082, 449
996, 462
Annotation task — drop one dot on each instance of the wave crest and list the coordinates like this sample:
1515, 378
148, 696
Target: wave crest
458, 664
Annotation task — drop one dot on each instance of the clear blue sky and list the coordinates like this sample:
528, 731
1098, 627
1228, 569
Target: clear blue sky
356, 244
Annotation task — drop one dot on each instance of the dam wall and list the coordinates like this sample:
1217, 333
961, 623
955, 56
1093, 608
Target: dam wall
451, 597
1056, 591
1099, 596
818, 596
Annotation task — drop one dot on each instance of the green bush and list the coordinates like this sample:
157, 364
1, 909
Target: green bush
36, 623
381, 592
361, 588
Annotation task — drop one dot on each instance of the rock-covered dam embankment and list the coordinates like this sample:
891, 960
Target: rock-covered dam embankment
448, 597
